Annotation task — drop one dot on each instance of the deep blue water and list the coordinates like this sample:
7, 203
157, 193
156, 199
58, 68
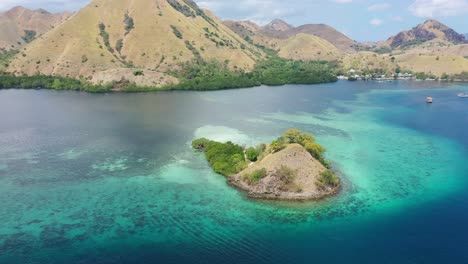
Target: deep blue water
111, 178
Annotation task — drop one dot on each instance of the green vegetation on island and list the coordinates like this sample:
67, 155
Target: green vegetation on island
50, 82
225, 158
273, 71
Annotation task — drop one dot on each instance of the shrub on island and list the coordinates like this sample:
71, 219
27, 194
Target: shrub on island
292, 136
255, 176
225, 158
327, 179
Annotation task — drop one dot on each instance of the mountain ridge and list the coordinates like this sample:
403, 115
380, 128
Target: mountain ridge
157, 36
277, 25
147, 41
430, 30
21, 25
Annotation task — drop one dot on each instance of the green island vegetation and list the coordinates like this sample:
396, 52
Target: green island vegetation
225, 158
273, 71
327, 178
176, 32
425, 76
50, 82
129, 24
5, 57
461, 76
201, 76
29, 35
229, 159
105, 37
184, 9
255, 176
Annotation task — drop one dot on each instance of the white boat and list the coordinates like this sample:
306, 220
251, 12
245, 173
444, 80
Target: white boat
429, 100
463, 95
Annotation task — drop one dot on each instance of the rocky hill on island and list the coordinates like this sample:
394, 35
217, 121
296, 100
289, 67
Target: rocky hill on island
290, 168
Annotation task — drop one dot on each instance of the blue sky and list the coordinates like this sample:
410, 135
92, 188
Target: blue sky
362, 20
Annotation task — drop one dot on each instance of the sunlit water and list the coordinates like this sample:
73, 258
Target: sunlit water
112, 178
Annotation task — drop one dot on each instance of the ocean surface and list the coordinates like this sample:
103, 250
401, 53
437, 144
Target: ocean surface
111, 178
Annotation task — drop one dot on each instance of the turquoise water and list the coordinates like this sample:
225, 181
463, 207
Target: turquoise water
112, 179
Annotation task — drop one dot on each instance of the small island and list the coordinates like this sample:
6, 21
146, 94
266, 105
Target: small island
292, 167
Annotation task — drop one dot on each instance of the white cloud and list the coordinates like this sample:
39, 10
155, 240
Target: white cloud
376, 22
379, 7
343, 1
397, 18
438, 8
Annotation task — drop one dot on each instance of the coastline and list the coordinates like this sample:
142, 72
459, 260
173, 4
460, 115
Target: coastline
284, 196
70, 84
135, 89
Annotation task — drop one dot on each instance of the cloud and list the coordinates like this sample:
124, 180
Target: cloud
343, 1
397, 18
376, 22
379, 7
50, 5
438, 8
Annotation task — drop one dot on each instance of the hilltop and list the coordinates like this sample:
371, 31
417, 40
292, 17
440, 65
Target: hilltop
431, 30
19, 26
108, 39
431, 48
290, 168
277, 25
129, 45
307, 42
278, 29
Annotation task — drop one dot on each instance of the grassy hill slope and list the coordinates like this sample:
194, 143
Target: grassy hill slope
125, 35
289, 42
307, 47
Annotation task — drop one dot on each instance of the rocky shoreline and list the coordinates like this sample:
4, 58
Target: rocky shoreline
283, 196
273, 186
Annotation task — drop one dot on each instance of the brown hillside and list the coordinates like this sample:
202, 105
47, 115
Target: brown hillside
369, 61
297, 46
328, 33
155, 35
308, 47
242, 28
277, 25
273, 34
431, 30
436, 64
341, 41
303, 186
15, 22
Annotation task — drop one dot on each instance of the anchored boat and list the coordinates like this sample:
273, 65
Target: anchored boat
429, 100
463, 95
